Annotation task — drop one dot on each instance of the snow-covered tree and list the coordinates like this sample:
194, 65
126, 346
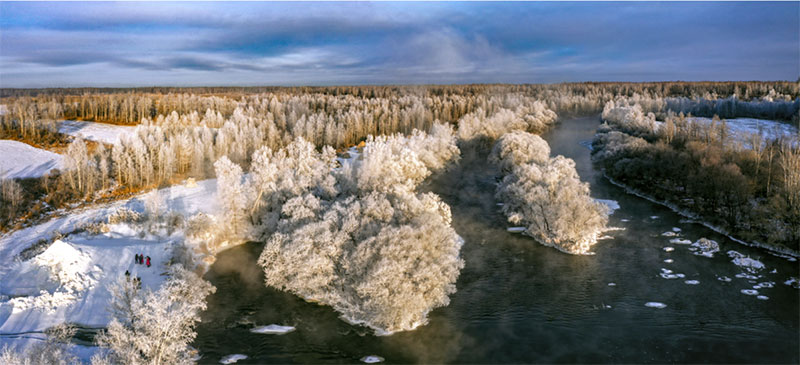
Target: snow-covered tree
545, 195
154, 327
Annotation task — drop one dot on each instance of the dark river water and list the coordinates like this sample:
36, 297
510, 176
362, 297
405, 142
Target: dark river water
521, 302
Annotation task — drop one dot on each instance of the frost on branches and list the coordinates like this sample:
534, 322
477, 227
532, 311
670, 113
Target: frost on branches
546, 195
154, 327
358, 237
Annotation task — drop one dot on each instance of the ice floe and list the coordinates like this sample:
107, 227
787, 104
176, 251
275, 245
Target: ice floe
669, 261
676, 229
612, 205
749, 291
793, 282
515, 229
658, 305
654, 217
612, 284
745, 262
724, 279
669, 234
231, 359
762, 297
705, 247
668, 274
669, 249
692, 282
273, 329
624, 220
372, 359
679, 241
764, 285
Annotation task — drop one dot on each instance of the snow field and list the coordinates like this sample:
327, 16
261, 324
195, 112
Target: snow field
98, 132
19, 160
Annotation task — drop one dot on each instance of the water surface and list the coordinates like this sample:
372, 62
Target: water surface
520, 302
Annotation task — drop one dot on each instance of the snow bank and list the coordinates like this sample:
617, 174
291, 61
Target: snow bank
98, 132
273, 329
19, 160
68, 281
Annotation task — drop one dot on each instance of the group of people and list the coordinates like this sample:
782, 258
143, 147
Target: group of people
142, 259
136, 280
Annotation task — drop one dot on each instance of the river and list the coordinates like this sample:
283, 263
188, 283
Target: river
521, 302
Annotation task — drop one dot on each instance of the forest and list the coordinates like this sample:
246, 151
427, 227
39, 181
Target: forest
330, 177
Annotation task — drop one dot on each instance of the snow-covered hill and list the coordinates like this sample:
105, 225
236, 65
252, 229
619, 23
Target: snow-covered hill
98, 132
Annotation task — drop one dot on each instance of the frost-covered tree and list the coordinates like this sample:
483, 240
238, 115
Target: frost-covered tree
545, 195
359, 237
154, 327
233, 198
55, 349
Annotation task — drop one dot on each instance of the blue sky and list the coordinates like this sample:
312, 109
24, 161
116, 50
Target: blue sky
195, 44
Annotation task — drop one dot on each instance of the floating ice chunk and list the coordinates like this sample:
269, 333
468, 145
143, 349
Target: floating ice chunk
624, 220
793, 282
676, 229
678, 241
500, 204
765, 285
749, 292
273, 329
612, 205
762, 297
669, 249
668, 274
658, 305
692, 282
724, 278
774, 271
669, 234
705, 247
372, 359
515, 229
669, 261
230, 359
612, 284
654, 217
743, 275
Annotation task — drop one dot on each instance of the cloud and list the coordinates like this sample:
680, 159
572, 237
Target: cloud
357, 43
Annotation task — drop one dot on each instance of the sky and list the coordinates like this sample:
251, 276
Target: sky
123, 44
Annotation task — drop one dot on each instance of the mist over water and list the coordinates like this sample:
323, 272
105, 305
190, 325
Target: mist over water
518, 301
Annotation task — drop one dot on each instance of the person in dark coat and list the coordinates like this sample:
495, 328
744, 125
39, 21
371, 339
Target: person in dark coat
138, 259
127, 275
148, 261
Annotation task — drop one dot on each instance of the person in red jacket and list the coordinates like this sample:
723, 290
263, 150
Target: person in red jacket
148, 261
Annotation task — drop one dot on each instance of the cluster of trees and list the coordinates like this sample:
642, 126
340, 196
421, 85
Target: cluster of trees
353, 234
545, 195
749, 189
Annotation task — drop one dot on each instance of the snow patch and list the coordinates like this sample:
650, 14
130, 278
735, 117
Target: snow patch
273, 329
515, 229
658, 305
